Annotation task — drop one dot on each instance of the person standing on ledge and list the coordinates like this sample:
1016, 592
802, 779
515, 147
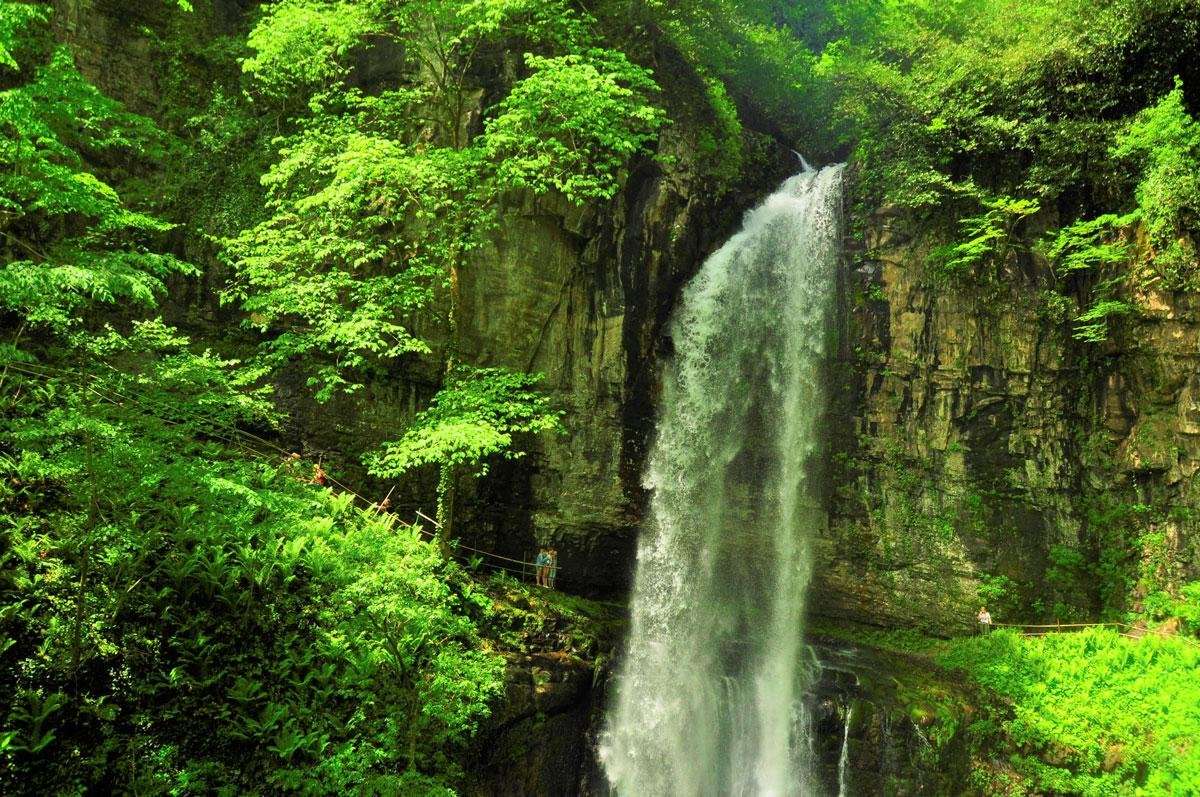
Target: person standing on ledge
985, 620
542, 564
553, 569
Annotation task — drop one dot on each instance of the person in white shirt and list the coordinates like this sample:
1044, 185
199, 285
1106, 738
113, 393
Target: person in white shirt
985, 620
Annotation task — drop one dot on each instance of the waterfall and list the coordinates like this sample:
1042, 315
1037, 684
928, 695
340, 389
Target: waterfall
844, 759
708, 693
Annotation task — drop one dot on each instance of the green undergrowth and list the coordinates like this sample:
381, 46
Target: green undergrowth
260, 636
1089, 713
895, 640
1094, 713
528, 619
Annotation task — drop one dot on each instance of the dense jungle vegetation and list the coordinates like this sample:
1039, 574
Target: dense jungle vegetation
183, 609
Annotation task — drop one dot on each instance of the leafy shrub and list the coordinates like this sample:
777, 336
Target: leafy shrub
474, 417
1094, 713
200, 621
1165, 139
989, 240
719, 147
999, 592
573, 124
1187, 608
1093, 245
1093, 325
303, 44
71, 240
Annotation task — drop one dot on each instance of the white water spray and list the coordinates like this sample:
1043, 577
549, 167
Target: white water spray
708, 695
844, 758
803, 163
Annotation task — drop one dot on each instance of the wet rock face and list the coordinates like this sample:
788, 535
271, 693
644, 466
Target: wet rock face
977, 443
118, 44
582, 296
885, 724
536, 741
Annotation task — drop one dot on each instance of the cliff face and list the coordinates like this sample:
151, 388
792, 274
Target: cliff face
124, 48
580, 294
583, 297
985, 455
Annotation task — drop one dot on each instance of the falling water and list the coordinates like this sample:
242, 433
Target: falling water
844, 759
708, 695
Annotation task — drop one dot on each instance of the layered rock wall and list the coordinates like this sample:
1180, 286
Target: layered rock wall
983, 454
583, 297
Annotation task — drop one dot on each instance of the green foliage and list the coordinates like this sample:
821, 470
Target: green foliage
71, 240
304, 44
990, 239
363, 231
573, 124
377, 199
216, 622
475, 416
752, 50
1066, 566
177, 616
1165, 139
1092, 325
1117, 527
1096, 248
1090, 246
16, 20
1187, 607
947, 104
720, 145
999, 592
1114, 715
944, 100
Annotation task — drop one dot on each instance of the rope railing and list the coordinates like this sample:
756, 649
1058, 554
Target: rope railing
467, 560
1124, 630
1057, 625
423, 516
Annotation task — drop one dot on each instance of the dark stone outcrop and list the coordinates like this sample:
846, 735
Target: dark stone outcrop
978, 444
537, 741
907, 723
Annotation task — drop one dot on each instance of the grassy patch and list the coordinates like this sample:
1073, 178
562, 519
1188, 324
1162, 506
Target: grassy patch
1094, 713
1088, 713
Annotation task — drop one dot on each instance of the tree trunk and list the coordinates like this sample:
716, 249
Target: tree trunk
445, 506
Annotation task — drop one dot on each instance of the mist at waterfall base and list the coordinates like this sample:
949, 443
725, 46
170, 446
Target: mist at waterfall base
708, 695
